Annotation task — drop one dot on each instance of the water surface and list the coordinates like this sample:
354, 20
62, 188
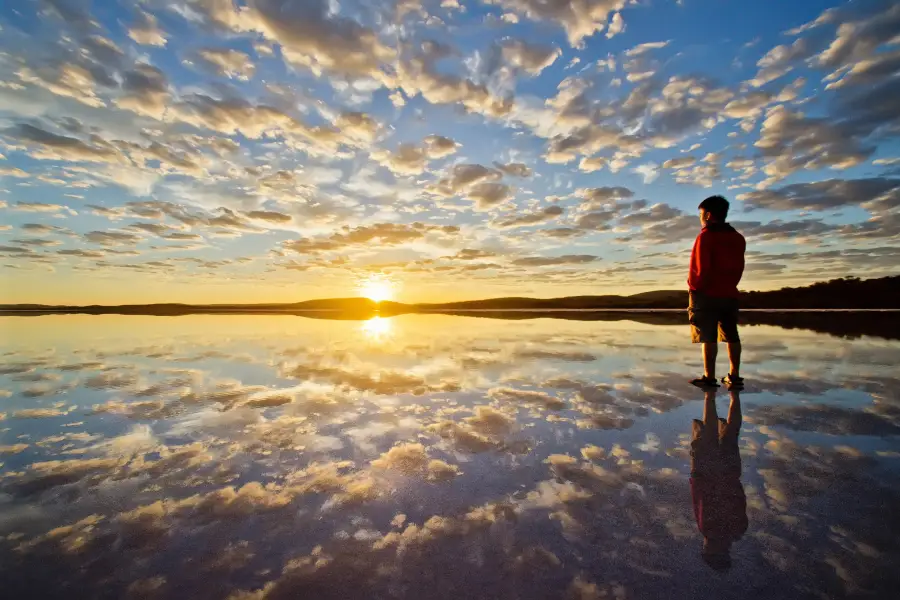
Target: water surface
430, 456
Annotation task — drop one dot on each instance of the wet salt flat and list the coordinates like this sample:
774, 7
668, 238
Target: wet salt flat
429, 456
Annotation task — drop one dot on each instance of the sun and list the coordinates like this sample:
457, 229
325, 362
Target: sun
377, 289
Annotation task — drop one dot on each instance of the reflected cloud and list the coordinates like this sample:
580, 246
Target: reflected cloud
344, 459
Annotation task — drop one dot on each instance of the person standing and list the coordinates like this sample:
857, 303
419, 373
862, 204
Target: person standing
717, 265
717, 495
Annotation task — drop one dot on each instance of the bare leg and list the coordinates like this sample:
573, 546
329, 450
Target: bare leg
734, 410
710, 351
710, 416
734, 357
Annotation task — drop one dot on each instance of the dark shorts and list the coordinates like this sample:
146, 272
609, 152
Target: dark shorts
714, 455
713, 318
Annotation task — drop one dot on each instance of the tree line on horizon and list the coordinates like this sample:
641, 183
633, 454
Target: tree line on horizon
843, 292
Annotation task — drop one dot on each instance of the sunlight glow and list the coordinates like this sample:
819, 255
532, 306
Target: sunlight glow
377, 329
377, 288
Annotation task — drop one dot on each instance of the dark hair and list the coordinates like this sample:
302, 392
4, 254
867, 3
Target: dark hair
717, 206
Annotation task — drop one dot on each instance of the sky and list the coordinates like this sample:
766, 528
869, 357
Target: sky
425, 150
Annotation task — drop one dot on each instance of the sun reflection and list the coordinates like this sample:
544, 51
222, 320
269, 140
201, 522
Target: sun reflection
377, 329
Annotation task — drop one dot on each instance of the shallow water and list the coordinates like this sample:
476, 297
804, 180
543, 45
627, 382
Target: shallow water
429, 456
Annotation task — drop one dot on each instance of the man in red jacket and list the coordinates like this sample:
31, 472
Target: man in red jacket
717, 264
720, 505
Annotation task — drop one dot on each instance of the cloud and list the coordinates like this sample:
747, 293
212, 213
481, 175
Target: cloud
679, 163
591, 164
874, 69
65, 79
231, 116
70, 11
544, 261
791, 141
410, 159
749, 106
779, 61
439, 146
531, 58
830, 420
860, 39
38, 242
154, 228
382, 382
81, 253
104, 211
39, 228
269, 216
616, 26
542, 216
645, 47
869, 111
385, 234
146, 31
13, 172
488, 195
418, 74
464, 177
38, 413
515, 169
535, 397
662, 224
777, 230
825, 195
655, 214
309, 35
38, 207
228, 62
827, 16
50, 146
412, 460
648, 171
15, 250
600, 197
112, 238
13, 449
579, 18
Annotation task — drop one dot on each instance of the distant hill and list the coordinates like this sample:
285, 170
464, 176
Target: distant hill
659, 299
844, 293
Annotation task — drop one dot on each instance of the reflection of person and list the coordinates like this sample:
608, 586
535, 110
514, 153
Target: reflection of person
717, 264
720, 505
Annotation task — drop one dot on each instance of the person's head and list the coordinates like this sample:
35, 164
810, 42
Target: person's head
713, 210
716, 553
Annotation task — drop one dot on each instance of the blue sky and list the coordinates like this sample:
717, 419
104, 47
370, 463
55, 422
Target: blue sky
273, 150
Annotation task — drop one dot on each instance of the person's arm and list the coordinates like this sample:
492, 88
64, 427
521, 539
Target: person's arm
701, 263
741, 262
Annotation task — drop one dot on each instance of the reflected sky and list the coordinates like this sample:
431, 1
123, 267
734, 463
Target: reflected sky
431, 456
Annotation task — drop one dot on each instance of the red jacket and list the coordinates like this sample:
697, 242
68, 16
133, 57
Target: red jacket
720, 506
717, 261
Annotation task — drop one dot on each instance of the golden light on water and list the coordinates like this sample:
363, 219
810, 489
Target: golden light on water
377, 288
377, 329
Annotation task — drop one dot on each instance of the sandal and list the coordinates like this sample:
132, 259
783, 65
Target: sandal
733, 381
705, 382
